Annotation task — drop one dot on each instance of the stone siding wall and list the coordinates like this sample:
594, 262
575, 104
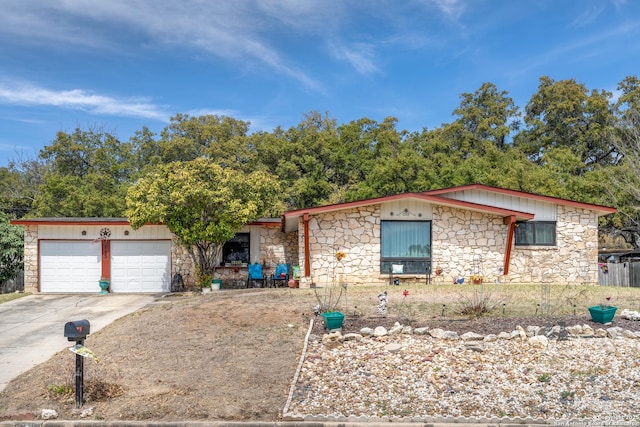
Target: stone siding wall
466, 243
278, 247
355, 232
574, 259
463, 243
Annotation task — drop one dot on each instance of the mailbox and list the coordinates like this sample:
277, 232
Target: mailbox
76, 330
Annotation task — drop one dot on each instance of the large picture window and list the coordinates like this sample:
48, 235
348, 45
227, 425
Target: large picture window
532, 233
236, 250
406, 243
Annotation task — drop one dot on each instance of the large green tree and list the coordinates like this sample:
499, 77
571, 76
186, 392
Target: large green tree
301, 157
87, 173
203, 204
485, 116
222, 139
565, 114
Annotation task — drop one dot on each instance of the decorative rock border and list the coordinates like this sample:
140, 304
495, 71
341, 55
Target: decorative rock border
532, 335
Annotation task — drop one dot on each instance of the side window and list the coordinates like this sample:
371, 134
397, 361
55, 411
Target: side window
536, 233
236, 250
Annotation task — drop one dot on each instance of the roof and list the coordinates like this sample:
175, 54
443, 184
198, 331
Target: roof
600, 209
290, 218
266, 222
70, 221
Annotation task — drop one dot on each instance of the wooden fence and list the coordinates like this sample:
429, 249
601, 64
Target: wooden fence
626, 274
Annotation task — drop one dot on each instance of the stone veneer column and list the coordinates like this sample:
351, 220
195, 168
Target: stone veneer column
31, 258
183, 264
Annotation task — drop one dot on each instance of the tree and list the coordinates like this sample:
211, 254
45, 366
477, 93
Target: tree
220, 138
203, 204
486, 115
301, 158
87, 174
11, 249
625, 180
565, 114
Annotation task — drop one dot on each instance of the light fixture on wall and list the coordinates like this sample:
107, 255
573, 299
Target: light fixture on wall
126, 232
84, 232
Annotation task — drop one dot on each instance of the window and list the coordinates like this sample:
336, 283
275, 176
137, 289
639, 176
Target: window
541, 233
406, 243
236, 250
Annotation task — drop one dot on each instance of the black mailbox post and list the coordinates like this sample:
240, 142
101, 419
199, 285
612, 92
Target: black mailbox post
77, 331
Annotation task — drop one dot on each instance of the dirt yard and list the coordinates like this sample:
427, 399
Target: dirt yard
230, 355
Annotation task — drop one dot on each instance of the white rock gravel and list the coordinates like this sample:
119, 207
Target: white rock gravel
428, 378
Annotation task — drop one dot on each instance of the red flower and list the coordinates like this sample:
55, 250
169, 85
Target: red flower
405, 293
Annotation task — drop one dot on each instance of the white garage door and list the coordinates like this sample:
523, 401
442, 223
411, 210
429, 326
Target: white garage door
140, 266
70, 266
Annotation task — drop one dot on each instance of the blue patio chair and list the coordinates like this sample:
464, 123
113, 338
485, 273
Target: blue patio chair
280, 276
255, 275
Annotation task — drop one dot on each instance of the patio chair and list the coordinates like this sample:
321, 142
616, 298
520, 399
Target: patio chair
280, 276
255, 275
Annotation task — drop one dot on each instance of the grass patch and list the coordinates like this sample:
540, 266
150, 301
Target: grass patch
509, 300
12, 296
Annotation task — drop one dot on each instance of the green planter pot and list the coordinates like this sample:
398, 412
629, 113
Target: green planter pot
104, 286
333, 320
600, 314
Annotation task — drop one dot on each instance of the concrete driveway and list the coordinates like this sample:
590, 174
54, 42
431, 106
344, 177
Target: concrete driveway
32, 327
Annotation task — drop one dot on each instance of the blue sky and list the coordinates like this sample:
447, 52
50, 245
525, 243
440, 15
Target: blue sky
124, 64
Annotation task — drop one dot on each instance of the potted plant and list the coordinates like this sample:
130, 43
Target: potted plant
603, 313
333, 319
204, 281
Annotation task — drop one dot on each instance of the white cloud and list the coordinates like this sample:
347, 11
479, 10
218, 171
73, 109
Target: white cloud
451, 8
26, 94
229, 30
361, 57
253, 34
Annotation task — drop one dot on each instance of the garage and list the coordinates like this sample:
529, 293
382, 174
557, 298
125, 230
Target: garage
140, 266
69, 266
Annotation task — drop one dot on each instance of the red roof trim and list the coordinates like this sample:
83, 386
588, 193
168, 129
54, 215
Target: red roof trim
421, 196
54, 221
105, 221
274, 224
517, 193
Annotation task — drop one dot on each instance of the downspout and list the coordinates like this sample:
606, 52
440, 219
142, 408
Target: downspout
307, 257
511, 222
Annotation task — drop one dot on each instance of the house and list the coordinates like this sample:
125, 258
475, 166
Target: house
71, 255
502, 235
